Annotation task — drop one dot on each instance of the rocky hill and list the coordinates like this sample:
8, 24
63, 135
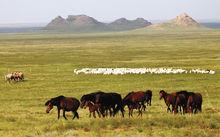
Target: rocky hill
124, 24
57, 23
78, 23
83, 23
182, 21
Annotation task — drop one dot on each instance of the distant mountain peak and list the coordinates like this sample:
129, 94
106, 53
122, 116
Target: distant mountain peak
121, 21
81, 20
58, 22
182, 21
185, 20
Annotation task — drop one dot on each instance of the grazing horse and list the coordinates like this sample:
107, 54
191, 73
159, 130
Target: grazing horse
169, 99
64, 103
93, 108
194, 103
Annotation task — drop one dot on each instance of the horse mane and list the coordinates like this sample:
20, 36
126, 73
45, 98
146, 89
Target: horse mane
148, 91
47, 103
55, 101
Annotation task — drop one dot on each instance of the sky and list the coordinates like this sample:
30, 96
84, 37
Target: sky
42, 11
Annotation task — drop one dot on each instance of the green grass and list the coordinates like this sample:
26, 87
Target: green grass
48, 61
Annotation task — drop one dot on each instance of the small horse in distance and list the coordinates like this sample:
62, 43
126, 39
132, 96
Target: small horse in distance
65, 104
14, 76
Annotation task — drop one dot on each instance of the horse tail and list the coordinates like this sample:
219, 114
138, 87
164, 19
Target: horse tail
119, 107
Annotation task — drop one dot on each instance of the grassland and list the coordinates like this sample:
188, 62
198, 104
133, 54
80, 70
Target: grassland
48, 61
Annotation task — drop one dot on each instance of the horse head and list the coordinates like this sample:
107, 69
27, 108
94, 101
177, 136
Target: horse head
49, 105
162, 94
53, 102
83, 101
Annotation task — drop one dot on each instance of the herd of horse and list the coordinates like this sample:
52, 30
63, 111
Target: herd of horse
109, 104
14, 76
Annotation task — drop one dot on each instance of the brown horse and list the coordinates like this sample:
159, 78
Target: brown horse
138, 97
93, 108
64, 103
169, 99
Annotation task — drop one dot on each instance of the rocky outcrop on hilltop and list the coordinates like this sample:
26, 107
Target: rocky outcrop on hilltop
185, 20
83, 23
124, 24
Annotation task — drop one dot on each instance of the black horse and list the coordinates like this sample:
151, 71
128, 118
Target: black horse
148, 97
111, 102
64, 103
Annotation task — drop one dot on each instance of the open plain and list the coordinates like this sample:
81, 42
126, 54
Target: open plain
48, 61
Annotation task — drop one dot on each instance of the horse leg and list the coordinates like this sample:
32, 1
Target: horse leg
168, 108
94, 114
110, 111
58, 113
64, 114
129, 114
98, 113
75, 114
140, 111
102, 112
143, 106
122, 112
132, 112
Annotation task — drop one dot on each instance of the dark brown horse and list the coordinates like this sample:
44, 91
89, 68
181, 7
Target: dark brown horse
64, 103
111, 102
148, 97
133, 106
194, 103
181, 103
90, 97
169, 99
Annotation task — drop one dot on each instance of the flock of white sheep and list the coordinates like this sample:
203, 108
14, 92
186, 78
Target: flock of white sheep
123, 71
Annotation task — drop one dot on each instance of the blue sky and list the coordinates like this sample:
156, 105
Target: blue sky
35, 11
